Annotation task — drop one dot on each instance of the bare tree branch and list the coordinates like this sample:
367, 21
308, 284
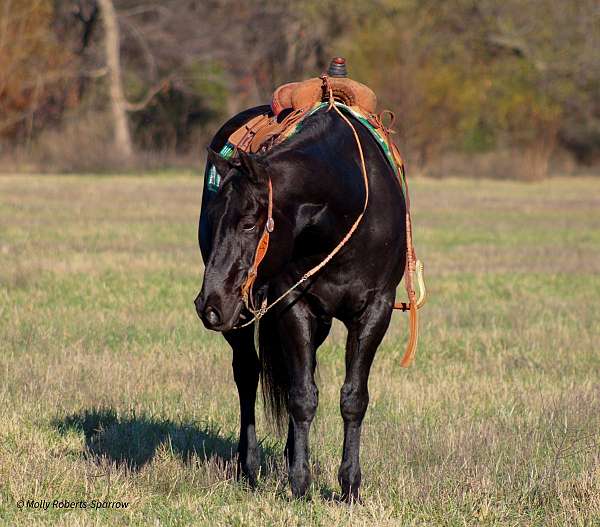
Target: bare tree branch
152, 92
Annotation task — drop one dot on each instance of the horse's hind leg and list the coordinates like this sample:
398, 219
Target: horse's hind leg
364, 336
246, 370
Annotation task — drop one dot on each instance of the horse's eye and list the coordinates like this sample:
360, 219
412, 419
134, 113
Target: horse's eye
249, 227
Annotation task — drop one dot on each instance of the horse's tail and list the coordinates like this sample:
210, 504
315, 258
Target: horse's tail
274, 379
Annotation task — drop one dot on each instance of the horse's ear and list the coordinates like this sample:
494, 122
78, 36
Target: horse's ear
222, 164
253, 165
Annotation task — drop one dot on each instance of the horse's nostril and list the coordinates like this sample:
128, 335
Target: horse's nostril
212, 316
199, 303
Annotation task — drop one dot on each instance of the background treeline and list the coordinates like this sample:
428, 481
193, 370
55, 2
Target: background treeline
497, 88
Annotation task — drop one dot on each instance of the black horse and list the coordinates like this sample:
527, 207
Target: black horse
318, 192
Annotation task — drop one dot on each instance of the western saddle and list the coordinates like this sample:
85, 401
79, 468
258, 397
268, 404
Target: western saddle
293, 101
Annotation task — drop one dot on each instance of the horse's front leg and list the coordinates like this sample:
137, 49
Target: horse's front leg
246, 369
297, 328
289, 445
323, 328
364, 336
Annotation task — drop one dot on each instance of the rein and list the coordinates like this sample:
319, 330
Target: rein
412, 264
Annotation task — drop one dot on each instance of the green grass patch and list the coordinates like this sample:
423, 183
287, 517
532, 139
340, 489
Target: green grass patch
111, 390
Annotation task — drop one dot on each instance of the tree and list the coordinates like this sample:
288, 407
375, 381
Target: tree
118, 103
36, 72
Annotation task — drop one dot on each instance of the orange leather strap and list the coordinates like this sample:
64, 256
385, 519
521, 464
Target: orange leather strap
261, 251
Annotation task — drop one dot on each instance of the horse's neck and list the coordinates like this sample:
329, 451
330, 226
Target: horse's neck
316, 207
318, 184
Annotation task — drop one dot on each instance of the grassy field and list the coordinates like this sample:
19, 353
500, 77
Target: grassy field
111, 390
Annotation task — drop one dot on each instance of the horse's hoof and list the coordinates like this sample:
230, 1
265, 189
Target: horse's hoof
248, 474
351, 497
299, 482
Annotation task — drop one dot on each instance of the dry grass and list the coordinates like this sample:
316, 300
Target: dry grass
111, 389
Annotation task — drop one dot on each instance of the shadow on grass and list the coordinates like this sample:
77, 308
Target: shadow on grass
133, 440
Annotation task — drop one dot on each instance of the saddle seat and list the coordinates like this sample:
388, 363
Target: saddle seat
300, 95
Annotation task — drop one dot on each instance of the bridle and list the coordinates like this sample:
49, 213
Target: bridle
259, 255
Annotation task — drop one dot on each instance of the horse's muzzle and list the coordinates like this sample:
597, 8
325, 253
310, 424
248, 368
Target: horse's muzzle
212, 314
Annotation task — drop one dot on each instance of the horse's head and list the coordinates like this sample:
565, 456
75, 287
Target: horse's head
236, 216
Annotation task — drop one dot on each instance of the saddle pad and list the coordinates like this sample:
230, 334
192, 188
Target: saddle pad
393, 156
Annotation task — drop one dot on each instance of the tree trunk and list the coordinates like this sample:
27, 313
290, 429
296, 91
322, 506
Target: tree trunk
118, 103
